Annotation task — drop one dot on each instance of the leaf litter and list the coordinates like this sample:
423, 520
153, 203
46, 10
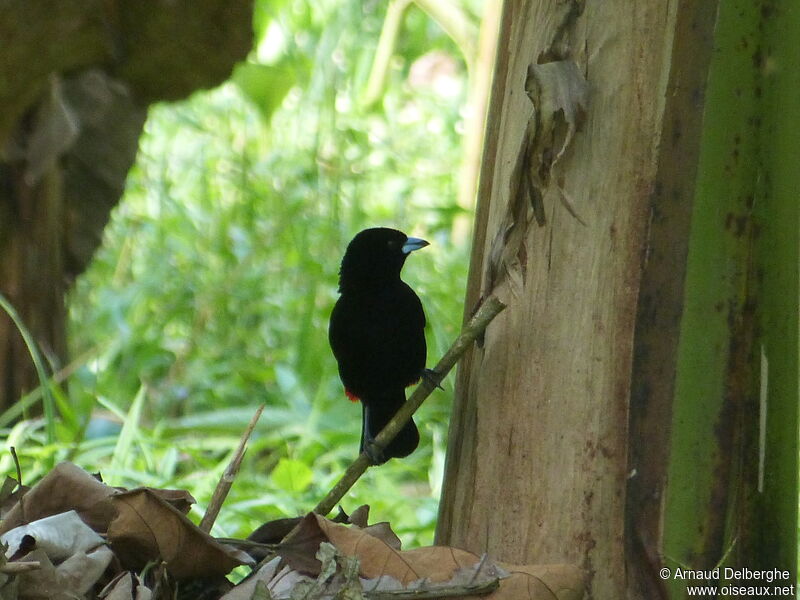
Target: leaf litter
71, 536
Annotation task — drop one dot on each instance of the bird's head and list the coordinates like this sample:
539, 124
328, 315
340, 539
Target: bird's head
376, 256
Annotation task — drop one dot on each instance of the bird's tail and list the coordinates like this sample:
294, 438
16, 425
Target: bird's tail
377, 411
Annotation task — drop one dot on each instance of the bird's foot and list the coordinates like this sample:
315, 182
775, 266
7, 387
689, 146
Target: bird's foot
373, 452
433, 377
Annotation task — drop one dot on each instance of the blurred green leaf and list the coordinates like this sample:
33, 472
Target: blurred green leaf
265, 85
292, 475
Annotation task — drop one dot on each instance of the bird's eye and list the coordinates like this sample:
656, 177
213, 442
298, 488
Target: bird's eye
392, 244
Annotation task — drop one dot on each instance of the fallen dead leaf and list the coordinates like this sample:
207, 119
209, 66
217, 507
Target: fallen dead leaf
436, 563
10, 493
247, 588
60, 536
66, 487
180, 499
148, 528
126, 586
428, 569
69, 580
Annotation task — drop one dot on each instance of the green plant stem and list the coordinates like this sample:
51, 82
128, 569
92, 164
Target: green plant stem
454, 21
49, 403
488, 310
383, 52
456, 25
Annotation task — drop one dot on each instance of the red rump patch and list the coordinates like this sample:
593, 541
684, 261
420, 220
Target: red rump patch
353, 398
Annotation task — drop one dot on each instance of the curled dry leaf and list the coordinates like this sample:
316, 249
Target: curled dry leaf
126, 586
359, 517
10, 493
66, 487
71, 579
377, 558
247, 589
384, 532
180, 499
149, 528
436, 563
431, 569
273, 531
59, 536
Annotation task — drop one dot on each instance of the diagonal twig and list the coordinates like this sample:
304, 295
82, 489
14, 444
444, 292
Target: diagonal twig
226, 480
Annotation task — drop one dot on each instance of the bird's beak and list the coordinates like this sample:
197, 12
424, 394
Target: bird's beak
413, 244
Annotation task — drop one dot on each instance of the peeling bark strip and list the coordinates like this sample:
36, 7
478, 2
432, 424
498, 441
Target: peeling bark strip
538, 456
559, 95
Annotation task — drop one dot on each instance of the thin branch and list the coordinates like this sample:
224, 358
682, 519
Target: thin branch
488, 311
13, 451
383, 53
228, 476
456, 24
17, 567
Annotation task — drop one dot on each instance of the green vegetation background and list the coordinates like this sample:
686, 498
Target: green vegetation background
212, 290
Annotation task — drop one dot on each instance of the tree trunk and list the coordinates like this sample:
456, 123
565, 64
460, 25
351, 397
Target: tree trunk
32, 274
75, 82
611, 373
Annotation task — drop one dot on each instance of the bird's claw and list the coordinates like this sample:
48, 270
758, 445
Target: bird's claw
433, 377
373, 452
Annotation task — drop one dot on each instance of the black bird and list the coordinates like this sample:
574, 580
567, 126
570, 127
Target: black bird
377, 334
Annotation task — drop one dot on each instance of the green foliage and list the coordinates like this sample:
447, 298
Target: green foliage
218, 271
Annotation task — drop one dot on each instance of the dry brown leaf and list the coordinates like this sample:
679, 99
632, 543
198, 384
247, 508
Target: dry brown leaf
386, 568
384, 532
272, 532
147, 528
180, 499
66, 487
126, 586
359, 516
41, 583
82, 570
377, 558
436, 563
539, 582
69, 580
10, 493
300, 552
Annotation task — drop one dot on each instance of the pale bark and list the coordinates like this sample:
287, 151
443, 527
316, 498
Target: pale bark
539, 458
